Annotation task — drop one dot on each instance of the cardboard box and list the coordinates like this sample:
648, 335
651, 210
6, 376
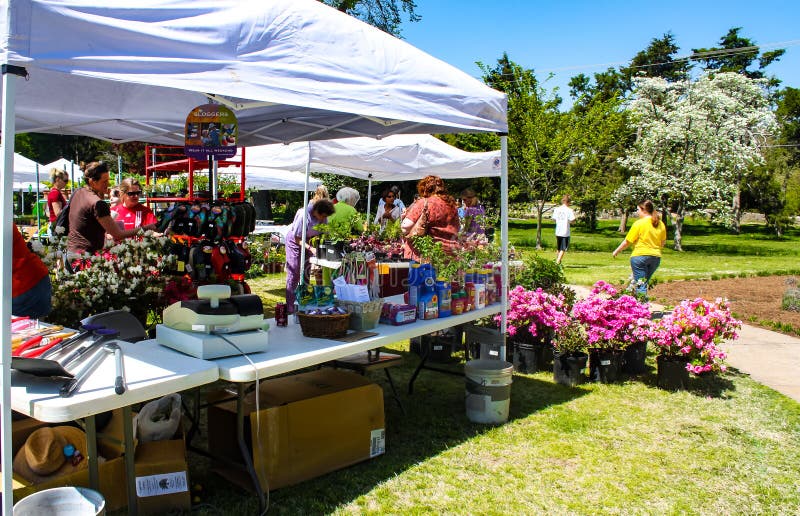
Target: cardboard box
162, 475
309, 424
111, 472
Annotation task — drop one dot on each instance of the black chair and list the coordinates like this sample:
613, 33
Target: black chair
128, 326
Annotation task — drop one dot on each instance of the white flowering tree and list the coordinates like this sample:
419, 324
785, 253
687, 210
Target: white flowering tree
696, 140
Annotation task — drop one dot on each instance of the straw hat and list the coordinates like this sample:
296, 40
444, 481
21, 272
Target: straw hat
42, 457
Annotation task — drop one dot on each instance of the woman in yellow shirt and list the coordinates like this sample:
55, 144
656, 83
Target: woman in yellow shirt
648, 234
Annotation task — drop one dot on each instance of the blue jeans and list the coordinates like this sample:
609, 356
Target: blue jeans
643, 268
36, 302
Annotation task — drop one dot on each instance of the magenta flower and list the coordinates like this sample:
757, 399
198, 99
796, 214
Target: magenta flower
534, 313
612, 319
694, 330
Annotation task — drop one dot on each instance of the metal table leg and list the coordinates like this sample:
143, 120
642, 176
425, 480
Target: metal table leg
91, 450
130, 465
248, 461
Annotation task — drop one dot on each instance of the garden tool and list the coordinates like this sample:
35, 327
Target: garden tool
119, 380
85, 330
20, 336
33, 347
71, 385
103, 335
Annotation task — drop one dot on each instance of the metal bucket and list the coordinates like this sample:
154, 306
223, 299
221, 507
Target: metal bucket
62, 501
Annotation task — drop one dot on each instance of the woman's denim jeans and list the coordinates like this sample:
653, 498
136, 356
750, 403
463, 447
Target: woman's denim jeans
643, 268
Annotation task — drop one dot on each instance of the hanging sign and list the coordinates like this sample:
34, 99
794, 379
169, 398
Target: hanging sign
211, 130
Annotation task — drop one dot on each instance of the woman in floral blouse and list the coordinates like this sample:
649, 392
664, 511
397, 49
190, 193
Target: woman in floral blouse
442, 215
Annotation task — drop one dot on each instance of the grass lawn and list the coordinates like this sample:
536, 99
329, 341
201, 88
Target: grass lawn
726, 446
709, 252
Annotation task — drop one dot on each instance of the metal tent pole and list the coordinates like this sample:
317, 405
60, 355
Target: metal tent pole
504, 238
6, 188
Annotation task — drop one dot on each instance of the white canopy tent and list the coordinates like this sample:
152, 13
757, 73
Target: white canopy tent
399, 158
27, 172
263, 178
291, 70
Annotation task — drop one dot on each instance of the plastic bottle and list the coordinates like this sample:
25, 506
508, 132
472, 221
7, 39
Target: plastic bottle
480, 296
469, 277
469, 288
444, 293
413, 284
457, 303
491, 291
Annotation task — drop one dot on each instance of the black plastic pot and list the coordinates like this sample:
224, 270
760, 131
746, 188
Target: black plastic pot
634, 356
672, 372
605, 365
568, 368
334, 250
531, 357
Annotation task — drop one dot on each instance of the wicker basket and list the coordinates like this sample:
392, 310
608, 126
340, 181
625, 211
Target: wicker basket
363, 315
324, 326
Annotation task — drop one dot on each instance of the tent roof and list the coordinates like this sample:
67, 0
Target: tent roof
133, 70
25, 171
271, 179
400, 157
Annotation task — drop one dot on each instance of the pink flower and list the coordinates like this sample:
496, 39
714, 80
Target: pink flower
695, 329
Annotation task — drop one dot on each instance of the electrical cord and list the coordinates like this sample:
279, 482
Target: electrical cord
257, 440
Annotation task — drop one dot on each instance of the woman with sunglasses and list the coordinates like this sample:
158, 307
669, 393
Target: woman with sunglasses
131, 213
90, 216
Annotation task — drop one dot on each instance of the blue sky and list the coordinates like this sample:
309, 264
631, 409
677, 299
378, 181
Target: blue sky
571, 37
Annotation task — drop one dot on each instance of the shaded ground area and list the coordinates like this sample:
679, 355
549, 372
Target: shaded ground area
755, 300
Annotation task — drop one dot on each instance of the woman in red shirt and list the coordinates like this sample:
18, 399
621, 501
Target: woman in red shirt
55, 198
130, 212
442, 215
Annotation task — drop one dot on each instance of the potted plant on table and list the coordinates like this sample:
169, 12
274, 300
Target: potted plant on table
533, 317
613, 321
570, 357
688, 340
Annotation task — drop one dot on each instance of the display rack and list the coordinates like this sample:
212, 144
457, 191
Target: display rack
163, 161
168, 161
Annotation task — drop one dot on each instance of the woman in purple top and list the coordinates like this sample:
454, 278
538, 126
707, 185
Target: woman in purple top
318, 213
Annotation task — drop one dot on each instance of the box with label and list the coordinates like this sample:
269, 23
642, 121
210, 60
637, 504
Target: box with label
309, 424
162, 476
111, 469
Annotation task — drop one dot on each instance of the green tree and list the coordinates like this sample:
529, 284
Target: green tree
542, 139
737, 54
383, 14
659, 59
595, 173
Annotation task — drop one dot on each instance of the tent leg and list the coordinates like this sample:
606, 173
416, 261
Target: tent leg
7, 149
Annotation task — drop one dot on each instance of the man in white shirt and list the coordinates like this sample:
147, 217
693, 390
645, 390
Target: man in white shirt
563, 215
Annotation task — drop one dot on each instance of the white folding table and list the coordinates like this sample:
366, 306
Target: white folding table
151, 371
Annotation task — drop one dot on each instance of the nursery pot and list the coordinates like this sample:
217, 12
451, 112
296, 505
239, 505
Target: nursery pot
532, 356
605, 365
672, 372
634, 358
568, 368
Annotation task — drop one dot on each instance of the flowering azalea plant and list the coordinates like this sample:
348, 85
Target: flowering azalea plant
128, 275
534, 313
694, 331
612, 319
570, 339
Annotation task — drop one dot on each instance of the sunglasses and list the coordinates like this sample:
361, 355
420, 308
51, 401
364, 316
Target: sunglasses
135, 194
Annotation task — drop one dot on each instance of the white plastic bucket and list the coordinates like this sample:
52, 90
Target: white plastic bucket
488, 384
62, 501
